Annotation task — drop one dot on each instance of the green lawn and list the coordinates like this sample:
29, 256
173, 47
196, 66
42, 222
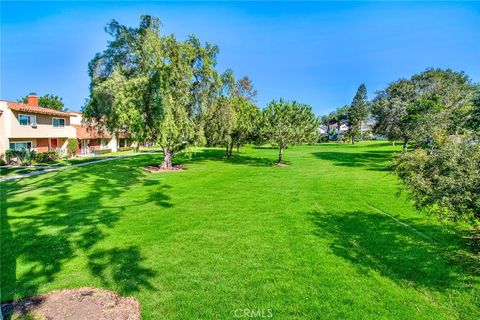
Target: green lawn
311, 240
13, 171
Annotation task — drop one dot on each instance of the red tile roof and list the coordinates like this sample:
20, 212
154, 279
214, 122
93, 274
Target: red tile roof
88, 132
22, 107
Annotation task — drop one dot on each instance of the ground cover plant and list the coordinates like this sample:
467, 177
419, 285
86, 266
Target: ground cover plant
310, 240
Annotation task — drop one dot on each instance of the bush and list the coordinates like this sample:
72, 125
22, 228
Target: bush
323, 139
444, 181
125, 149
103, 151
48, 156
24, 157
2, 162
72, 146
9, 154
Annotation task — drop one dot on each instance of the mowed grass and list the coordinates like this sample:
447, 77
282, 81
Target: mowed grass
308, 241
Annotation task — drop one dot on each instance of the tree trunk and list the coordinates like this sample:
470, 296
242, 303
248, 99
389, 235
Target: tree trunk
393, 143
353, 142
229, 150
238, 148
280, 154
167, 159
404, 148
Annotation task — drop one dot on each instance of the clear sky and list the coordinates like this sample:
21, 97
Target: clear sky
315, 52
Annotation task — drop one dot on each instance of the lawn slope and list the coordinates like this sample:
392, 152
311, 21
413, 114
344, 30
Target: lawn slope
311, 240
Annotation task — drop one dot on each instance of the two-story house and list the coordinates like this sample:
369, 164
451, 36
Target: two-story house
33, 127
91, 139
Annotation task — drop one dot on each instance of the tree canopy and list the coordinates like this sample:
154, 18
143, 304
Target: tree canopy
153, 86
408, 108
48, 101
286, 123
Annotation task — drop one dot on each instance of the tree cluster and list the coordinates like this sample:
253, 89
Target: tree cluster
436, 114
169, 92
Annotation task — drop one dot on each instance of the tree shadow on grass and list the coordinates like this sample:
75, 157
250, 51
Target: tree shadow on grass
370, 160
211, 154
54, 224
371, 241
121, 269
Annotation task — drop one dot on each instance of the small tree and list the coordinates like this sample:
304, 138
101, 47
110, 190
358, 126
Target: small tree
248, 116
393, 112
231, 122
286, 123
220, 119
357, 112
72, 146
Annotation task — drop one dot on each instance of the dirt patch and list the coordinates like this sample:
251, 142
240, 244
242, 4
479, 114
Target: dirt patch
74, 304
158, 169
281, 164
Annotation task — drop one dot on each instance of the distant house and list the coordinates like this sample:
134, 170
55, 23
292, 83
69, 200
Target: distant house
29, 126
367, 125
323, 130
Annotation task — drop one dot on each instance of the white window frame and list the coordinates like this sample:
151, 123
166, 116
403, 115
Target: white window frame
30, 116
64, 122
15, 142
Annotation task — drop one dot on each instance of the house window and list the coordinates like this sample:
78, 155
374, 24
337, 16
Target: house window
27, 120
58, 122
20, 145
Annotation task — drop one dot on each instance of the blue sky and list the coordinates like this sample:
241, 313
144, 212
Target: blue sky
315, 52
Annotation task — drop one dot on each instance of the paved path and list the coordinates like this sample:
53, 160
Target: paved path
36, 173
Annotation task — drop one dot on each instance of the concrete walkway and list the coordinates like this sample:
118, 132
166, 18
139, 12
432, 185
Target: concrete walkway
52, 169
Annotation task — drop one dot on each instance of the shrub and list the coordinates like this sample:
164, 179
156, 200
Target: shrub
125, 149
445, 181
103, 151
72, 146
9, 154
24, 157
2, 162
48, 156
323, 139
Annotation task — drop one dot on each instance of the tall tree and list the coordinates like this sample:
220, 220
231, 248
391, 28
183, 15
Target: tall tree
48, 101
357, 112
286, 123
153, 86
